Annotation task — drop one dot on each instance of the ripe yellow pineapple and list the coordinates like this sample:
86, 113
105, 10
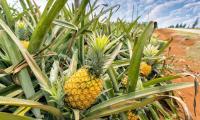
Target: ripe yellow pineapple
145, 69
82, 89
85, 85
25, 43
132, 116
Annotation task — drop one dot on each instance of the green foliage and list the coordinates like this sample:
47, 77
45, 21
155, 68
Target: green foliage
61, 39
7, 116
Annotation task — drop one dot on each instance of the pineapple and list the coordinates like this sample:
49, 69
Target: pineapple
145, 69
85, 85
125, 81
21, 31
132, 116
25, 43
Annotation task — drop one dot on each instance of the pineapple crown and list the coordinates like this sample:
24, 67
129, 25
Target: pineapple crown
21, 25
96, 54
150, 50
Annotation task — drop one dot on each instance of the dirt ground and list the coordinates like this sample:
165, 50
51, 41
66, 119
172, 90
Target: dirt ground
186, 49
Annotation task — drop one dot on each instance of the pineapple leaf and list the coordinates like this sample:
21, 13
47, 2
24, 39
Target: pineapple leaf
9, 116
120, 107
158, 80
8, 13
30, 103
133, 71
16, 57
33, 65
43, 26
140, 94
65, 24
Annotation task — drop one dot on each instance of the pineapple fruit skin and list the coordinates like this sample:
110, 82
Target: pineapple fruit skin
145, 69
132, 116
25, 43
82, 89
125, 81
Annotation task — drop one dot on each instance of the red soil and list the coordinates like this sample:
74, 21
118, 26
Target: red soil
179, 48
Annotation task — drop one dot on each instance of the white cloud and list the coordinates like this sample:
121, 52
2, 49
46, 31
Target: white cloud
161, 8
165, 12
147, 1
173, 12
193, 4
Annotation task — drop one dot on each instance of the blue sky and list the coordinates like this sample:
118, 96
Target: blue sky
165, 12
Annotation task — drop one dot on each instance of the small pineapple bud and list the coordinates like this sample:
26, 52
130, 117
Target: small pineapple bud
145, 69
132, 116
125, 81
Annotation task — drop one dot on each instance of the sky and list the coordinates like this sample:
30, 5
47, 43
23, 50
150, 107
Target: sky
165, 12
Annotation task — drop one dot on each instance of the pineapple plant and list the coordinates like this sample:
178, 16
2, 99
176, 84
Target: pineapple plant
85, 85
92, 76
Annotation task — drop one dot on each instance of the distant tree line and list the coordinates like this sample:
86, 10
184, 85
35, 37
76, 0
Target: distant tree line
178, 26
194, 25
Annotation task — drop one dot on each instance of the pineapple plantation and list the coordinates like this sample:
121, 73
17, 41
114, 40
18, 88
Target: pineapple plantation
73, 63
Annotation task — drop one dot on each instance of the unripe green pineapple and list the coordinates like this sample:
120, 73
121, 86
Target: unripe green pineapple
85, 85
